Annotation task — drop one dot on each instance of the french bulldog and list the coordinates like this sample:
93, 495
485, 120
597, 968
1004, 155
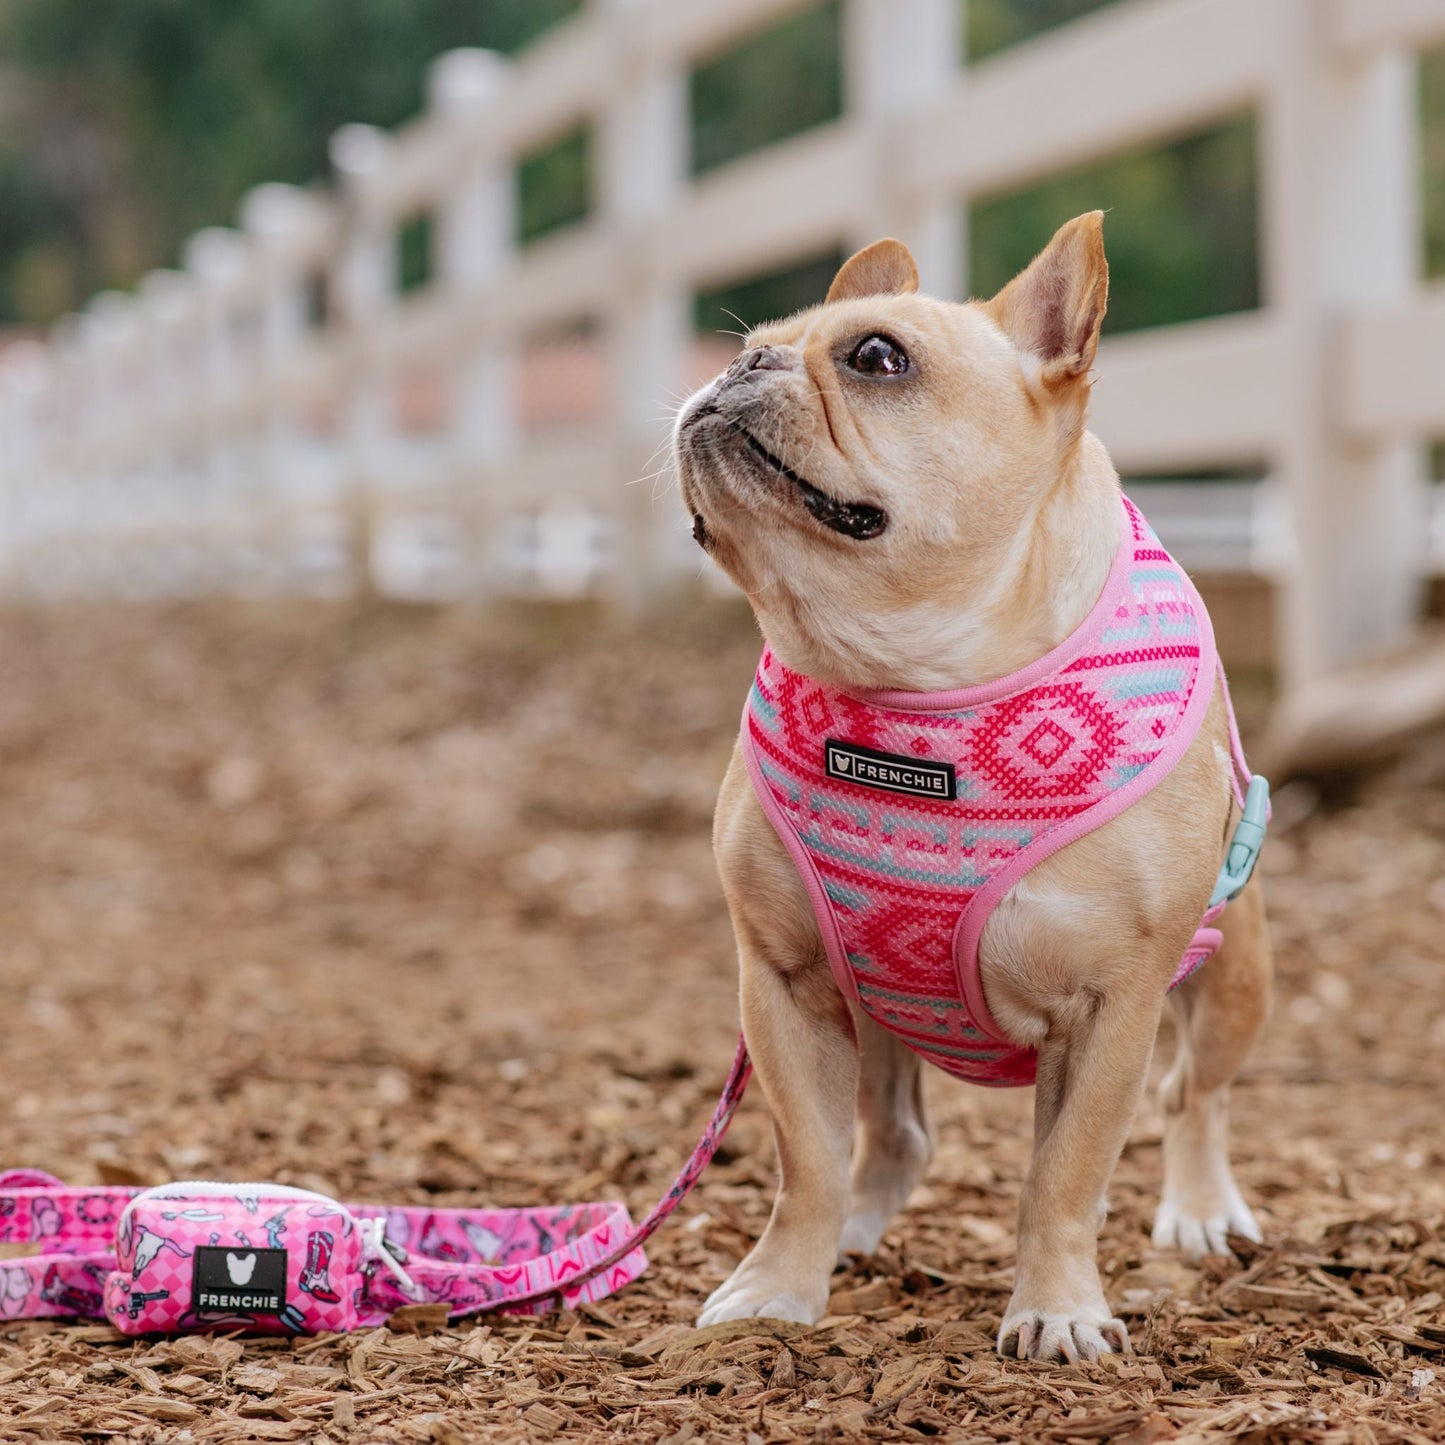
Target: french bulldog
905, 490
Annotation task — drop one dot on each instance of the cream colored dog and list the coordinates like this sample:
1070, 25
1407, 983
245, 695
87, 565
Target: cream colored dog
941, 518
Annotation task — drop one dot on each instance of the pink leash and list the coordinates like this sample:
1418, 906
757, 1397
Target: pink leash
268, 1258
691, 1172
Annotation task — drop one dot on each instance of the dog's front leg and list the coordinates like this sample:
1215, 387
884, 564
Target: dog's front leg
806, 1059
1092, 1068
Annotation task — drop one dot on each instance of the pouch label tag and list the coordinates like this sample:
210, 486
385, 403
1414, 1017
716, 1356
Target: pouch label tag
238, 1279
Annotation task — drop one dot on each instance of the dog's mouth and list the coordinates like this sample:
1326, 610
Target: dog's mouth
859, 520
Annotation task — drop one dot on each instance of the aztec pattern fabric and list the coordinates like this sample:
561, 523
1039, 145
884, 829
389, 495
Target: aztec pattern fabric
910, 815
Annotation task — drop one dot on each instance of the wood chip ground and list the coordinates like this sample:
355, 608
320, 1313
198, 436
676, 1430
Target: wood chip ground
416, 905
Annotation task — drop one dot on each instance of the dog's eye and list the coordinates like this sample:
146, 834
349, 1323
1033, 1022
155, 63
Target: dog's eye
878, 356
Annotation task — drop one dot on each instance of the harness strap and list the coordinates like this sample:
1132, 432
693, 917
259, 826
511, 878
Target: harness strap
1242, 773
1251, 793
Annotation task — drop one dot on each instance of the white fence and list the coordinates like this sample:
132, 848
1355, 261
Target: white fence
203, 434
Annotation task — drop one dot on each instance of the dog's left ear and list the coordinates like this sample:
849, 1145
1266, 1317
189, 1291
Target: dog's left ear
886, 268
1053, 310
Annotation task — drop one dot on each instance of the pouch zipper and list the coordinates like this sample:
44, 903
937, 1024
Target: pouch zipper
219, 1189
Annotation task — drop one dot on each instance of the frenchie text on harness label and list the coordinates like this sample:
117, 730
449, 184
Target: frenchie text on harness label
895, 774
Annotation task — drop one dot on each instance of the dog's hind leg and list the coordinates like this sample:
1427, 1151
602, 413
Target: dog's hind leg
894, 1140
1218, 1012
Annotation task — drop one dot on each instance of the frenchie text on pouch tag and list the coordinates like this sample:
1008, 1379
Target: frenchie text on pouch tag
244, 1280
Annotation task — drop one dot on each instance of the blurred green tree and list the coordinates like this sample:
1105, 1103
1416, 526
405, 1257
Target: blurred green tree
1432, 104
1181, 229
776, 83
991, 25
554, 185
128, 126
125, 127
738, 307
1182, 233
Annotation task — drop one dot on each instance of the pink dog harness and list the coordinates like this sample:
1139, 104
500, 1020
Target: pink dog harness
911, 815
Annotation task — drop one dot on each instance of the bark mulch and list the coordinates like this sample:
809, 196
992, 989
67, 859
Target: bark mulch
420, 905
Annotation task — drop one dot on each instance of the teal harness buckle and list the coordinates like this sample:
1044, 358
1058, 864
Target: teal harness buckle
1243, 851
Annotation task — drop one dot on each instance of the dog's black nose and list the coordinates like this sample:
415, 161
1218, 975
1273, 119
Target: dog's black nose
760, 358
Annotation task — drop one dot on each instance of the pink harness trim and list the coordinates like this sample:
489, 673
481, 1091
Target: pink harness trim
1119, 702
102, 1260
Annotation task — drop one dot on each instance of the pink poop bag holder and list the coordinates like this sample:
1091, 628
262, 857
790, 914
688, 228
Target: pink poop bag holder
269, 1259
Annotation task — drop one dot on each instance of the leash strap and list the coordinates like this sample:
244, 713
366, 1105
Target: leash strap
471, 1260
702, 1156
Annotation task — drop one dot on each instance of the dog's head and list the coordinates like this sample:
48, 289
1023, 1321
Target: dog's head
884, 452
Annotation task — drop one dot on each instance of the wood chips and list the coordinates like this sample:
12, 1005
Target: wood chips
416, 905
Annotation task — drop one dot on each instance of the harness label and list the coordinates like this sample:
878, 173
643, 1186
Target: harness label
245, 1280
891, 772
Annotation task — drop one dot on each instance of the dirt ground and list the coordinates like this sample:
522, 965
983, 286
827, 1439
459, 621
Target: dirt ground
412, 905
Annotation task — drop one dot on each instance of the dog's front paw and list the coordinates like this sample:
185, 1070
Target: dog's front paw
759, 1294
1032, 1334
1200, 1226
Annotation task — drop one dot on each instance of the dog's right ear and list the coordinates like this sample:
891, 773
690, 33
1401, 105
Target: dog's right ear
1053, 310
886, 268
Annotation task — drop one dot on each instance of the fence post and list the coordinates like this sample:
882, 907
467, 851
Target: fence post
1341, 229
277, 217
25, 376
101, 332
217, 258
61, 417
475, 240
111, 333
168, 299
642, 158
899, 55
364, 289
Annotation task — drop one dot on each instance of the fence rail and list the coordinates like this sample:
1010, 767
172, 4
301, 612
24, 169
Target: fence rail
209, 432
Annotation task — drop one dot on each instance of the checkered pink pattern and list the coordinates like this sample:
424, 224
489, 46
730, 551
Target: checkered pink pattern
154, 1285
